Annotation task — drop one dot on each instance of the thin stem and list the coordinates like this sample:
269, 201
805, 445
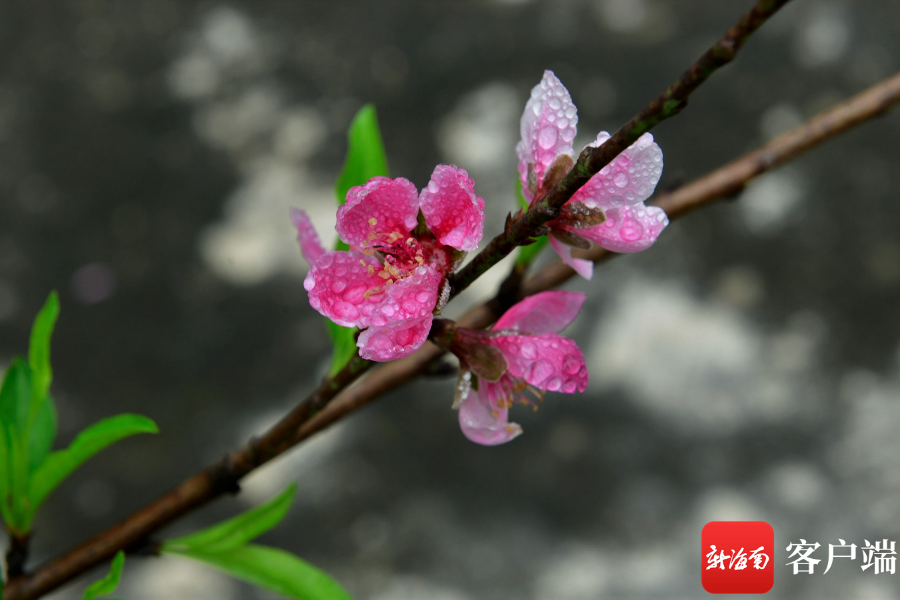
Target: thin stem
592, 160
335, 398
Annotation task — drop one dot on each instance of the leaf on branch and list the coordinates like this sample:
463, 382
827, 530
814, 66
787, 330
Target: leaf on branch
224, 546
39, 351
237, 531
89, 442
344, 341
365, 159
108, 584
275, 570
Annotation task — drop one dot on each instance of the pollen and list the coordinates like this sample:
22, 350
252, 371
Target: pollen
373, 221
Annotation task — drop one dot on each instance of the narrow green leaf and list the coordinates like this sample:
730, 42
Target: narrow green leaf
15, 395
39, 351
275, 570
237, 531
41, 434
108, 584
528, 253
365, 159
365, 153
344, 341
89, 442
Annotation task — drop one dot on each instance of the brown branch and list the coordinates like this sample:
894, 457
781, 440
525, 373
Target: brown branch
592, 160
334, 400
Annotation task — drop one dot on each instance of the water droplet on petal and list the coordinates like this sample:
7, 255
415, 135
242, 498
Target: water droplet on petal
539, 371
423, 297
621, 179
528, 350
571, 365
547, 137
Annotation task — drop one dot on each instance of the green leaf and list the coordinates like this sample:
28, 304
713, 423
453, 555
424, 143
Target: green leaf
275, 570
528, 253
15, 395
89, 442
237, 531
344, 341
365, 159
39, 351
108, 584
42, 434
365, 153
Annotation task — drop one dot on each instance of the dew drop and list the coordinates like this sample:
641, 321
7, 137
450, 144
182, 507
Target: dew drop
528, 350
539, 372
423, 297
571, 365
621, 179
338, 285
547, 137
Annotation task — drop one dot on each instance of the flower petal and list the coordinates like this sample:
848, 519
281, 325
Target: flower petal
548, 127
453, 213
629, 179
337, 284
547, 361
628, 228
546, 312
482, 421
382, 205
409, 299
391, 343
310, 246
583, 267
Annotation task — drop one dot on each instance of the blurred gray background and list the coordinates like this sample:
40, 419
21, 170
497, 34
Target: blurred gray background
746, 367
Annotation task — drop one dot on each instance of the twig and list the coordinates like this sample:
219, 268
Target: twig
592, 160
210, 483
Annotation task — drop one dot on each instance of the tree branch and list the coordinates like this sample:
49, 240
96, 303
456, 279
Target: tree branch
334, 400
592, 160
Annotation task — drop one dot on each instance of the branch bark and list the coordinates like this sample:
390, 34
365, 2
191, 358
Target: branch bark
335, 399
592, 160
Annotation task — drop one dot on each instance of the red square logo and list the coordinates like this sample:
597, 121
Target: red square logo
737, 557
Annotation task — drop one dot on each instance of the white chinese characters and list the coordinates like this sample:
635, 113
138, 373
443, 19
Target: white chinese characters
882, 555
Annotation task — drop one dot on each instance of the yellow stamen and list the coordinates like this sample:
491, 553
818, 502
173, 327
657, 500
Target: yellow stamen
373, 221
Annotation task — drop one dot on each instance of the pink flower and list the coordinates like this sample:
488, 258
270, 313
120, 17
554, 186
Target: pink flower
390, 280
609, 209
536, 357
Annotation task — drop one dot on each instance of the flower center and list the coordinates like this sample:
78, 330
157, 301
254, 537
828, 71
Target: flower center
401, 255
514, 390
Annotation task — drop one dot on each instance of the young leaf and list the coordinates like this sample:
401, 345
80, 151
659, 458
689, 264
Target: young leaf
58, 465
365, 153
39, 351
15, 395
344, 341
528, 253
237, 531
42, 434
365, 159
273, 569
108, 584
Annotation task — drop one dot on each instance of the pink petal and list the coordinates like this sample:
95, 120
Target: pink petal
628, 228
583, 267
547, 361
337, 284
629, 179
310, 246
482, 421
382, 205
548, 127
546, 312
409, 299
453, 213
384, 344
